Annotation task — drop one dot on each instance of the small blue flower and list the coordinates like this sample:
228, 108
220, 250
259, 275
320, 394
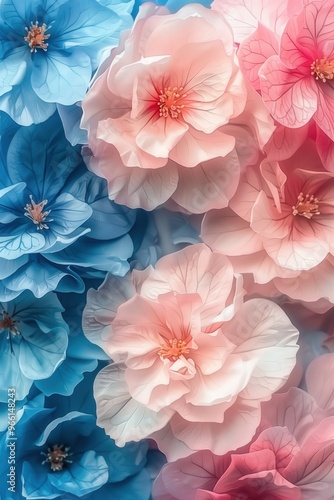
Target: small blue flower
48, 51
33, 341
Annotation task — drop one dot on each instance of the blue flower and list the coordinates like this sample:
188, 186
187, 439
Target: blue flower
48, 51
33, 341
57, 223
61, 453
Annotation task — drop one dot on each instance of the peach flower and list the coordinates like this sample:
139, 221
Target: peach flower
191, 361
170, 110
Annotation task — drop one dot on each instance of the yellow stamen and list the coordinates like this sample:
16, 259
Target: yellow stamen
36, 36
173, 349
34, 211
322, 69
167, 102
306, 206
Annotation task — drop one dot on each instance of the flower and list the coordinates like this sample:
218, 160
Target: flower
48, 201
63, 454
48, 51
175, 80
283, 213
33, 341
290, 456
297, 84
191, 361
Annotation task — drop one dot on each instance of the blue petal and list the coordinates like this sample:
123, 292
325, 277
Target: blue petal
10, 197
82, 477
13, 69
12, 375
24, 106
16, 245
41, 352
61, 77
41, 156
40, 277
136, 487
67, 376
9, 267
83, 24
68, 214
121, 8
71, 118
102, 255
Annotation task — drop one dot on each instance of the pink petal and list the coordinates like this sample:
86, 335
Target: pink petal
226, 232
237, 429
123, 418
325, 148
195, 269
196, 147
269, 221
255, 50
318, 373
289, 94
312, 470
280, 442
208, 185
136, 187
184, 477
102, 305
295, 410
263, 268
324, 113
262, 331
285, 142
310, 285
243, 15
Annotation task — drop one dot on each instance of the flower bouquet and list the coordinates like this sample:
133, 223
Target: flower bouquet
167, 250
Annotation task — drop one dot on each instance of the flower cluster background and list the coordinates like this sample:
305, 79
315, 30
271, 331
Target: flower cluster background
167, 250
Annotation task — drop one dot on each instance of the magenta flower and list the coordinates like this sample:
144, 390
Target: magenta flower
298, 84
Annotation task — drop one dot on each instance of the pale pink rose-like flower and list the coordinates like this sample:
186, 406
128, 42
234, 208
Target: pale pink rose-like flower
191, 361
290, 457
169, 113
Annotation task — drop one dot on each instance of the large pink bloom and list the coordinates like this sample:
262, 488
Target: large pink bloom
290, 457
170, 112
191, 361
298, 83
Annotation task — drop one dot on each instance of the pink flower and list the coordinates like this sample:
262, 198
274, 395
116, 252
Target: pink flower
170, 112
191, 361
290, 457
298, 84
284, 216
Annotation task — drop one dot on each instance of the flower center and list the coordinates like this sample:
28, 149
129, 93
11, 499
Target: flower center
34, 211
8, 323
168, 98
306, 206
36, 36
322, 69
173, 349
57, 456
